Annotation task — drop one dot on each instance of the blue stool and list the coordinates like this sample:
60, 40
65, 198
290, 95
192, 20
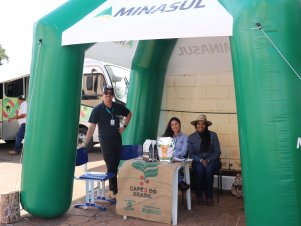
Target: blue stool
90, 178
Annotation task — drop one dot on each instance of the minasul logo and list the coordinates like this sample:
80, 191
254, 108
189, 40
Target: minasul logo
128, 44
145, 10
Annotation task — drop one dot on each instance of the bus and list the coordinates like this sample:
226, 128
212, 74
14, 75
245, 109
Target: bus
96, 75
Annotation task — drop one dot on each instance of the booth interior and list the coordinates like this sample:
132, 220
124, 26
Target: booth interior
199, 78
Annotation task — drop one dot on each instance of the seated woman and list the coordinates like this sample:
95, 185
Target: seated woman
173, 129
204, 150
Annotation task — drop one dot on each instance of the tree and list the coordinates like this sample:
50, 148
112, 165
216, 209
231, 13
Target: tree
3, 55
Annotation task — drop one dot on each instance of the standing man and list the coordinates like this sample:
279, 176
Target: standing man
106, 115
21, 117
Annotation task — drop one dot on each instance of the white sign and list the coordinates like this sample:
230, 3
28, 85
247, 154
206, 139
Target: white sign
119, 20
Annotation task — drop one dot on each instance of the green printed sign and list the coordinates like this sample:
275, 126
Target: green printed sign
85, 112
151, 210
145, 189
10, 107
148, 169
129, 206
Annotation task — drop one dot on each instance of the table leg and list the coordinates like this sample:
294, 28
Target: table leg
175, 191
187, 179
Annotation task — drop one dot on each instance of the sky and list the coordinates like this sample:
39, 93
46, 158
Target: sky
16, 27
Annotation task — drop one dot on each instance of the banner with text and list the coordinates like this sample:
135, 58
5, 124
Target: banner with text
145, 190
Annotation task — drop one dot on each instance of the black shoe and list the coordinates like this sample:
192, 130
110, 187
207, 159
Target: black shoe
201, 201
210, 202
183, 186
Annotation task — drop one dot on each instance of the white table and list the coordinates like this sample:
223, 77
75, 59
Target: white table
175, 191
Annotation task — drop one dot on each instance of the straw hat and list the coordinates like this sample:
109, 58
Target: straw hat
201, 117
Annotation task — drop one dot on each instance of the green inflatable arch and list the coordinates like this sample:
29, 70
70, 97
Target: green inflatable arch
266, 54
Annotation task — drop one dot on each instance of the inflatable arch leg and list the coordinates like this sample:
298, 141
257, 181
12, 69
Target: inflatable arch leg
268, 96
146, 88
54, 103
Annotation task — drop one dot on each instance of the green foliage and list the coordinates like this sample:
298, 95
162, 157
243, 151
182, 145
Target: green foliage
3, 55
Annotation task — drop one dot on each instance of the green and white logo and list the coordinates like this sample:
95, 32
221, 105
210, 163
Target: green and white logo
106, 13
129, 205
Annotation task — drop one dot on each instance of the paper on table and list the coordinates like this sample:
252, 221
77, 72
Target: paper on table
176, 159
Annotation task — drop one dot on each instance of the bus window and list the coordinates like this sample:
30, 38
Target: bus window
26, 85
1, 91
120, 77
92, 88
95, 85
89, 82
100, 84
14, 88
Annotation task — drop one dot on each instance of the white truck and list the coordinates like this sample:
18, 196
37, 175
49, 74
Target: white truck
96, 74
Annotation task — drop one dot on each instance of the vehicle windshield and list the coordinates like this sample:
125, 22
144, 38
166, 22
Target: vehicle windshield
120, 79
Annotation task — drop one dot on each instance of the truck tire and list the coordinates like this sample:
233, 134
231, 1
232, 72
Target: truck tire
81, 138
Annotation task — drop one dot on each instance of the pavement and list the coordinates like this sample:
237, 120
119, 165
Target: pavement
228, 212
